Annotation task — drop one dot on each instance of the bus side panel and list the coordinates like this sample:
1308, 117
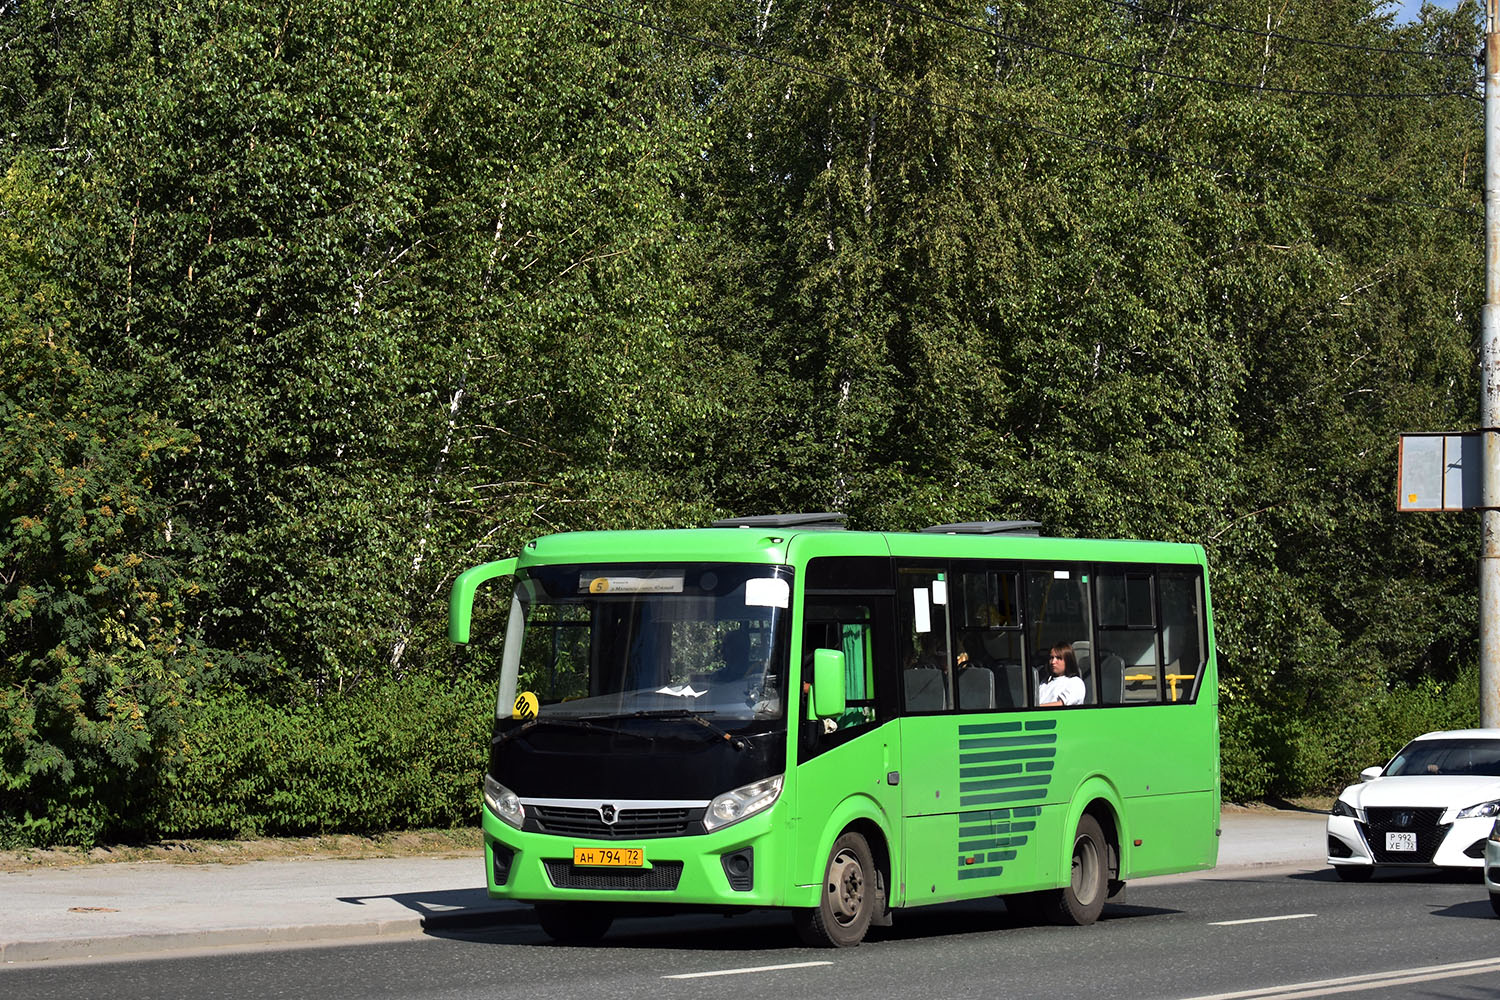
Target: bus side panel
1173, 833
1165, 766
990, 801
975, 789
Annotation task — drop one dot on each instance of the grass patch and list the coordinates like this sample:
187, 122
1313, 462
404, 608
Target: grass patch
462, 842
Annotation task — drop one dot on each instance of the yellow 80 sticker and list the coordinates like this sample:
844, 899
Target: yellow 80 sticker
526, 705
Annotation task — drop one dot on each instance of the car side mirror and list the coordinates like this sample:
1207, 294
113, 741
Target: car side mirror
1370, 773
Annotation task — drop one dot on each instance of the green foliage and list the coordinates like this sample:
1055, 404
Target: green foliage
1270, 751
307, 309
98, 665
388, 756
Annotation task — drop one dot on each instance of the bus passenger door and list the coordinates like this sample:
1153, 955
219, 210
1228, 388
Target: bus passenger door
846, 765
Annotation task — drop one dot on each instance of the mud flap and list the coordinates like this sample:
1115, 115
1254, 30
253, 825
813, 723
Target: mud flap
882, 914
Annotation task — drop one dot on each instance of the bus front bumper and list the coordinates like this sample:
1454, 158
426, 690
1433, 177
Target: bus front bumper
737, 866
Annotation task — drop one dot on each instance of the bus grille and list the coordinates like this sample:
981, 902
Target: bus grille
632, 824
661, 875
1422, 822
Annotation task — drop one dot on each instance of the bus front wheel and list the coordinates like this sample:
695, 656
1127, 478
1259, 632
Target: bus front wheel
1080, 902
574, 923
847, 901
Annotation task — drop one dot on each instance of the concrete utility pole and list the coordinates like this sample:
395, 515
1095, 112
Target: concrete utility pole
1489, 384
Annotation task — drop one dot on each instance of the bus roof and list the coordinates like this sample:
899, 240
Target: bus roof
779, 546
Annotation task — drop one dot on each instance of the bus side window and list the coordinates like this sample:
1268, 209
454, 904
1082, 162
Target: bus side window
1058, 613
1129, 663
922, 601
1182, 634
988, 639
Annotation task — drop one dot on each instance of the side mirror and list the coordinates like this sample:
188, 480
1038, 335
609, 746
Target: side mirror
1370, 773
461, 602
828, 682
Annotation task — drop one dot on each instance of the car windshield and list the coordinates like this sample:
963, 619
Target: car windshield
1447, 756
685, 640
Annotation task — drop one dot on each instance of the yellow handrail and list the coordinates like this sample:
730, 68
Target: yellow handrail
1174, 678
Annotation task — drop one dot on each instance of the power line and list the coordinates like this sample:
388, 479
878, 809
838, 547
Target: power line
1026, 43
1137, 8
1212, 168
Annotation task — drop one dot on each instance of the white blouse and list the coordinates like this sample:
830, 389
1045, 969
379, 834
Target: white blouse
1068, 690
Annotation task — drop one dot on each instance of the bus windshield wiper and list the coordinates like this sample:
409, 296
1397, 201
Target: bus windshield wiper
738, 742
507, 736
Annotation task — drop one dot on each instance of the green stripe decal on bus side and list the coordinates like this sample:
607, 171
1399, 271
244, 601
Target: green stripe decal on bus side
985, 758
1004, 741
1000, 766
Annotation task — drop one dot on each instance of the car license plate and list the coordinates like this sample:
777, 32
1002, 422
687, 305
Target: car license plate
1399, 841
620, 857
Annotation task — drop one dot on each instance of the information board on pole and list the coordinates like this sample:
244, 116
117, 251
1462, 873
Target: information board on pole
1440, 471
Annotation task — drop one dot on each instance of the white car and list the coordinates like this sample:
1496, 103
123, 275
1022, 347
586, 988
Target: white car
1433, 805
1492, 867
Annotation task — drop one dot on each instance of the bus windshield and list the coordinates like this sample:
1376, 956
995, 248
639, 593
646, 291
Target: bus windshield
606, 641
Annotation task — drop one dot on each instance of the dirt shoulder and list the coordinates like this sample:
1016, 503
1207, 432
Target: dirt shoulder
412, 843
1306, 803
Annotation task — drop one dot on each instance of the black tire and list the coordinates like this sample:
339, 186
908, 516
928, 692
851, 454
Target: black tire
574, 923
1080, 902
1495, 902
1354, 873
848, 899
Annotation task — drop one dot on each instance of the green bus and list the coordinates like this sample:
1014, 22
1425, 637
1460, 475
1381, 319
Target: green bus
777, 712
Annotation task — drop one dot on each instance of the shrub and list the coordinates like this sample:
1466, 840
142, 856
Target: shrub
391, 755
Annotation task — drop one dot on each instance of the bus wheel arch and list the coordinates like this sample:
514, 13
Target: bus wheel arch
854, 892
1091, 863
1109, 824
880, 851
1080, 900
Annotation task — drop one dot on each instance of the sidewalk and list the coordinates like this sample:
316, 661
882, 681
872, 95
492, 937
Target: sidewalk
142, 908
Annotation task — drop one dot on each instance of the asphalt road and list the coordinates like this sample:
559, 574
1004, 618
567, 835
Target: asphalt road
1252, 934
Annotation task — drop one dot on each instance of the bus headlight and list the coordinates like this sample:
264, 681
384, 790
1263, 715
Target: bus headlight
747, 800
503, 802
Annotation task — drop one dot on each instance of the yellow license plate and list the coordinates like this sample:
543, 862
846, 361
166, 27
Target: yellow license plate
610, 857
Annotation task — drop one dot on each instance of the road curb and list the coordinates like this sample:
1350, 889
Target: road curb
156, 944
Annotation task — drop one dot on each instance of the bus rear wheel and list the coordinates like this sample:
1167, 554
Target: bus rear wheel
847, 901
574, 923
1080, 902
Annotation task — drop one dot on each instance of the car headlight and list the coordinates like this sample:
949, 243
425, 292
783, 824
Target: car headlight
503, 802
1342, 808
747, 800
1495, 831
1480, 811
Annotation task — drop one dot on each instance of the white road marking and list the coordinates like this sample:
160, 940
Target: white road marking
1262, 920
1369, 981
745, 972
